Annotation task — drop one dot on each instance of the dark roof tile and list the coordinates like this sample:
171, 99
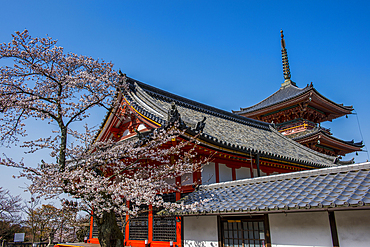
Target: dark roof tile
283, 94
300, 194
225, 128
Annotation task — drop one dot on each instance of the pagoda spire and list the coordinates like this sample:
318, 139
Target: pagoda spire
286, 68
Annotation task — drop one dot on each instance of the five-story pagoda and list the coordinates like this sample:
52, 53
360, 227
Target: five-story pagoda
298, 113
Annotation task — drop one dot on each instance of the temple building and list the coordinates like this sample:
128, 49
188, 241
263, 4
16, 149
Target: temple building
245, 146
242, 148
298, 113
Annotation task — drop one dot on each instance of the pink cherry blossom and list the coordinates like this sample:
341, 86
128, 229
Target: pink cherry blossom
47, 84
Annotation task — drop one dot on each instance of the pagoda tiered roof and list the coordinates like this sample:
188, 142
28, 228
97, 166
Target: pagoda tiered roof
290, 95
324, 139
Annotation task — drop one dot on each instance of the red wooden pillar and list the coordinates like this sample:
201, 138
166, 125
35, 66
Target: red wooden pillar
197, 177
91, 225
217, 171
233, 173
127, 226
150, 224
178, 222
178, 232
251, 168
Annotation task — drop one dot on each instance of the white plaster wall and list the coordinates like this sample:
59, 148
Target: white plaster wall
243, 172
310, 229
353, 228
225, 173
255, 173
200, 231
170, 180
209, 173
125, 133
187, 179
141, 127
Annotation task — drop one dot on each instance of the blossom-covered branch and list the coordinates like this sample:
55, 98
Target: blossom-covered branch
47, 84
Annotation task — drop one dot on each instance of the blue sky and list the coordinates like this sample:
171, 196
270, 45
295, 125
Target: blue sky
221, 53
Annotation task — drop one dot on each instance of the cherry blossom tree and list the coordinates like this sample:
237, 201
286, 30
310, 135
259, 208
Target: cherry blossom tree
10, 209
48, 220
47, 84
10, 206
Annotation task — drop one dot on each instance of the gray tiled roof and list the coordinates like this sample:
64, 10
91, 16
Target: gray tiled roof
223, 128
284, 94
281, 95
336, 187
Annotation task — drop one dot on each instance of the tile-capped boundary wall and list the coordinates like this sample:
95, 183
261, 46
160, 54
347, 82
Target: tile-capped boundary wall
292, 175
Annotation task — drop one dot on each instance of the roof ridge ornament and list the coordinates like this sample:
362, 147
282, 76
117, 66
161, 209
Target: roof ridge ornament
173, 117
200, 125
286, 68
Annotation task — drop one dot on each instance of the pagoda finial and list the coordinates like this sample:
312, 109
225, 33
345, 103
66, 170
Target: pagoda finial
282, 40
286, 69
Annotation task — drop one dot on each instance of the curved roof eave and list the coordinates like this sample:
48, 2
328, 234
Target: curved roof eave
355, 145
280, 98
108, 116
283, 95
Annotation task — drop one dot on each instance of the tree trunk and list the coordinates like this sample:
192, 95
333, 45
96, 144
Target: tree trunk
51, 238
63, 147
109, 233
